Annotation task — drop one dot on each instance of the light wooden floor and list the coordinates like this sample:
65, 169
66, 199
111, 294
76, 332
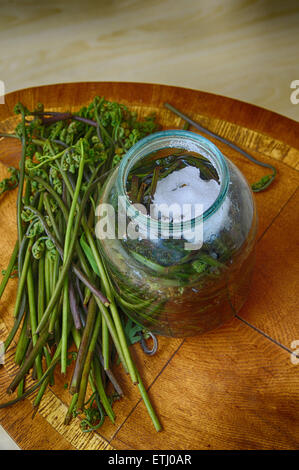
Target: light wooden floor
245, 49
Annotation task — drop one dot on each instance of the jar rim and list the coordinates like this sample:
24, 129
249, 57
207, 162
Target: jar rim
134, 154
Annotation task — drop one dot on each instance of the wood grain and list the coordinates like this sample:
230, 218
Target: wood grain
19, 424
274, 306
228, 389
232, 388
245, 49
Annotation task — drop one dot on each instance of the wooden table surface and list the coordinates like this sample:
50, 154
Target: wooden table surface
233, 388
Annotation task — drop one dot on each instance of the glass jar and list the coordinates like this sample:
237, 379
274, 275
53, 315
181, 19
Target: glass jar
159, 281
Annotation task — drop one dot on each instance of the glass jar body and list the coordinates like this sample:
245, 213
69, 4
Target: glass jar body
158, 282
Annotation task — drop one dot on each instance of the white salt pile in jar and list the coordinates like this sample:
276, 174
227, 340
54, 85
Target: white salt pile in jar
185, 187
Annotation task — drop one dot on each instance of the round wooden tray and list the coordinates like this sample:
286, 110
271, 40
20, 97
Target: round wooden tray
234, 388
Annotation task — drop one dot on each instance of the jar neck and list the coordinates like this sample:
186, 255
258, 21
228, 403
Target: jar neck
186, 140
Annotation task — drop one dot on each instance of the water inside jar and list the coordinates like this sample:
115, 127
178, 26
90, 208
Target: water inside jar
170, 176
